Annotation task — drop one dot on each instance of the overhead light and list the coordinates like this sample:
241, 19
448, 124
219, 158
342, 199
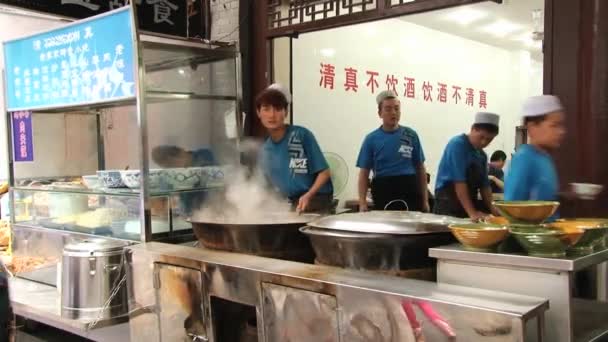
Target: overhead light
501, 28
328, 52
181, 71
465, 16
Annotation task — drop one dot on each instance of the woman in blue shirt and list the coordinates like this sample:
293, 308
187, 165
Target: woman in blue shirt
463, 172
291, 158
395, 155
532, 174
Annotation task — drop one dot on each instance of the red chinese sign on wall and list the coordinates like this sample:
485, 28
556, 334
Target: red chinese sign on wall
410, 88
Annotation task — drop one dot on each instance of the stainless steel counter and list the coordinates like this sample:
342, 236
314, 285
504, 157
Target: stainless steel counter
534, 276
42, 303
567, 264
313, 296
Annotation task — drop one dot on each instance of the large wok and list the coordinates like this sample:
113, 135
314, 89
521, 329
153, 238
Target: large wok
277, 236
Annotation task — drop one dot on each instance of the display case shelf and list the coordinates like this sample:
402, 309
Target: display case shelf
126, 192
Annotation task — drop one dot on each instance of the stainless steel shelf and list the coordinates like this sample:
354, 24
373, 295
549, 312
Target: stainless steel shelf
126, 192
569, 264
590, 320
42, 303
159, 95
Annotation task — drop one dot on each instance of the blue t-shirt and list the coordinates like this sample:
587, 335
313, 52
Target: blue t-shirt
532, 176
203, 157
292, 164
458, 155
395, 153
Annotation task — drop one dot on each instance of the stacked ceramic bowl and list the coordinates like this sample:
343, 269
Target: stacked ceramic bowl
527, 224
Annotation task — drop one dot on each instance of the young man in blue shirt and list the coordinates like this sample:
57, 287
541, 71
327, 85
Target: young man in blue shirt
463, 172
396, 157
291, 158
495, 171
532, 174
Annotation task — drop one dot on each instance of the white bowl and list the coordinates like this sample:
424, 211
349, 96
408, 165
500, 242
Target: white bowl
586, 191
91, 181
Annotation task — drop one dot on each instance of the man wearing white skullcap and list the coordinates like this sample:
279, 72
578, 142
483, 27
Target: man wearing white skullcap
463, 173
395, 155
291, 158
532, 175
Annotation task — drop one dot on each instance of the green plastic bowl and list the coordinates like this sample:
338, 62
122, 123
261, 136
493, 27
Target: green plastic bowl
593, 239
545, 242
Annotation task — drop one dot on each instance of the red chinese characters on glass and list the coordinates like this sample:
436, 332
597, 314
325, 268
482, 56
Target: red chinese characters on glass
456, 95
391, 83
443, 92
483, 101
351, 80
328, 74
372, 82
470, 97
427, 90
410, 84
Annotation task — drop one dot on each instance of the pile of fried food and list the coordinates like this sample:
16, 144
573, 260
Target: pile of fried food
5, 235
21, 264
17, 264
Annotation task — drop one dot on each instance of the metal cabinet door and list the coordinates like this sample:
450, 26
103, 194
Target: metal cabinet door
179, 298
294, 315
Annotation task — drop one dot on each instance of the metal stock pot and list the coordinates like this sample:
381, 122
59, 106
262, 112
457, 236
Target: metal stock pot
91, 270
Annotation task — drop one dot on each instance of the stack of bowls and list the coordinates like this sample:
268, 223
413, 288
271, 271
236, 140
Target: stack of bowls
526, 223
593, 237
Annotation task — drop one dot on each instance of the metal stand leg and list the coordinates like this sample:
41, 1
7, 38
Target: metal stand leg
540, 321
601, 290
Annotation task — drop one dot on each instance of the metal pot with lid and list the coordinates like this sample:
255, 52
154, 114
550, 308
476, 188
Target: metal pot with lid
385, 241
91, 269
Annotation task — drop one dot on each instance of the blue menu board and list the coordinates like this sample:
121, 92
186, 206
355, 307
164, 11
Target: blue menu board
86, 62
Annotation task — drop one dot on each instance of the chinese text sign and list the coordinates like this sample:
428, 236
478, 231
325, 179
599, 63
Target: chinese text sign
23, 146
91, 61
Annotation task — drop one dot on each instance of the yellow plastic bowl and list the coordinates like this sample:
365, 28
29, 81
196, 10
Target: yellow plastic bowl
526, 212
479, 237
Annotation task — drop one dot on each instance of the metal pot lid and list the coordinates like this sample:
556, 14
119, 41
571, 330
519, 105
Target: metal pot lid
389, 222
94, 245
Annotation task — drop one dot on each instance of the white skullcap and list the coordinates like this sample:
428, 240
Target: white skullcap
541, 105
487, 118
283, 90
387, 94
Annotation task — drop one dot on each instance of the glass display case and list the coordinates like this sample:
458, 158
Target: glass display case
133, 169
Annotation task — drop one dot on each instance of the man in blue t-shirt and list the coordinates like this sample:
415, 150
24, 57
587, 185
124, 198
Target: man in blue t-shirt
463, 172
394, 154
532, 174
291, 158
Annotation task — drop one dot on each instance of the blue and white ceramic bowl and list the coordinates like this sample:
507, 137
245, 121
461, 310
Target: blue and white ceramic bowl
132, 179
184, 178
110, 179
214, 176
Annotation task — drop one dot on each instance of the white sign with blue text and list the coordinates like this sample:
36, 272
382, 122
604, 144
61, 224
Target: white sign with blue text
89, 61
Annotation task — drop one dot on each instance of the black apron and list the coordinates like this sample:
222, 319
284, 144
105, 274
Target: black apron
389, 193
446, 200
318, 204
